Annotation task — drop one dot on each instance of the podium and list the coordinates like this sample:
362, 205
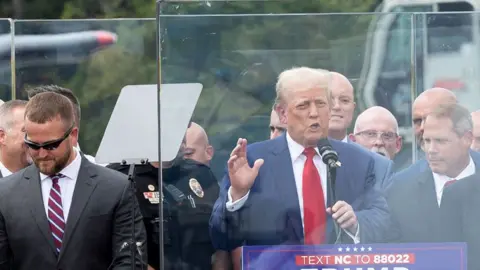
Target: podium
412, 256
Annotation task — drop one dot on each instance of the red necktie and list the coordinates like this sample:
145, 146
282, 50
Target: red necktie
314, 212
448, 183
55, 212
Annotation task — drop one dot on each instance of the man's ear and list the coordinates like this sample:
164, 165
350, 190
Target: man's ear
210, 152
352, 137
282, 113
3, 136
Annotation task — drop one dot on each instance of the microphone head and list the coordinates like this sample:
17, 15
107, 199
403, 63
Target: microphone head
329, 156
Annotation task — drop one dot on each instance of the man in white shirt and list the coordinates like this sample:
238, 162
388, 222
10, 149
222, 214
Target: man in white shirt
71, 96
276, 191
13, 152
64, 212
415, 202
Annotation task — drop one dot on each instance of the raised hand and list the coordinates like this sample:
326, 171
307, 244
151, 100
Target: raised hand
241, 174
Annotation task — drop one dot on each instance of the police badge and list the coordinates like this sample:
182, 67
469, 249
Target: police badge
196, 187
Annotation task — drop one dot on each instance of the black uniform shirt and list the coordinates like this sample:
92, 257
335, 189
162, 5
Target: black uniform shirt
187, 245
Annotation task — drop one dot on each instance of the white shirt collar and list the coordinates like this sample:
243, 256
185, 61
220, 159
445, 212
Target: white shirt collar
345, 140
71, 170
296, 149
440, 180
5, 172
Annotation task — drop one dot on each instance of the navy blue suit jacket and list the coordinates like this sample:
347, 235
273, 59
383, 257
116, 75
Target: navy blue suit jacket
271, 215
383, 169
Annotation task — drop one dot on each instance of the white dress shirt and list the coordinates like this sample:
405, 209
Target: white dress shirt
5, 172
67, 185
441, 180
298, 163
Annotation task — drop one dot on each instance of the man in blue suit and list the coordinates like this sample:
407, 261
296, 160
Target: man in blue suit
414, 199
275, 192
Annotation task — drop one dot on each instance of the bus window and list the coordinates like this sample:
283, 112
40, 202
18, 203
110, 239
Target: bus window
398, 54
448, 32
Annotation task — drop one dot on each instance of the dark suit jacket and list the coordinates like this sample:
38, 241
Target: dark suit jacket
99, 222
383, 169
271, 215
461, 218
414, 210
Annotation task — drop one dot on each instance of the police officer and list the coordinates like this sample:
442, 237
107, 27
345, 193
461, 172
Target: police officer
189, 193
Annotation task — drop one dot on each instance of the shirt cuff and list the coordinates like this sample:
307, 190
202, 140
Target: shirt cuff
233, 206
356, 237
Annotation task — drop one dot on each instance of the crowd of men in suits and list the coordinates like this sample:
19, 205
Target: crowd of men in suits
266, 196
54, 212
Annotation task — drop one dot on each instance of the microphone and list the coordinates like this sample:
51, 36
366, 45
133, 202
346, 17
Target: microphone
329, 156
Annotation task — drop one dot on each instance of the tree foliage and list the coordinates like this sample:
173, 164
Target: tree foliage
235, 55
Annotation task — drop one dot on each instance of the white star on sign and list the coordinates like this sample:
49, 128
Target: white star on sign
369, 248
355, 249
348, 249
340, 249
362, 249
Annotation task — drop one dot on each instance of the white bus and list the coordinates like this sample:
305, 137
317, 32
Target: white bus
444, 52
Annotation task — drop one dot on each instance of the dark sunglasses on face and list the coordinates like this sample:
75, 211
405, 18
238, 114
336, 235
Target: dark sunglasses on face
51, 145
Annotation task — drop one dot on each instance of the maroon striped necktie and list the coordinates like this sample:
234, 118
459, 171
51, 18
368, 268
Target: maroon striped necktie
55, 212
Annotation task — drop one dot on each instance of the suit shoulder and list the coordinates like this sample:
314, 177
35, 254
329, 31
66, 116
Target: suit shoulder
110, 174
404, 180
411, 171
351, 149
466, 185
13, 178
262, 145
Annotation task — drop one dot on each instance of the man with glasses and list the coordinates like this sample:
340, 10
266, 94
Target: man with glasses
377, 130
64, 212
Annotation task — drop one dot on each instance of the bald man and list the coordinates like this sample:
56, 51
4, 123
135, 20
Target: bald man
425, 103
343, 106
197, 146
377, 130
276, 127
341, 115
476, 130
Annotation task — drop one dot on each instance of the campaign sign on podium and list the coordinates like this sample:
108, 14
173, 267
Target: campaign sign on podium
415, 256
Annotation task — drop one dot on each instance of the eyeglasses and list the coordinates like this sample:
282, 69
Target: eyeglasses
49, 146
373, 135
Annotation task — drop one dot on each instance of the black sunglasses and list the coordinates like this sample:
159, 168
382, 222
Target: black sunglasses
51, 145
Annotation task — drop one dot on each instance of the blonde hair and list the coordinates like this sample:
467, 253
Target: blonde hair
301, 78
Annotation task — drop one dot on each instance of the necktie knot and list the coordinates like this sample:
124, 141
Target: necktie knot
309, 152
56, 177
448, 183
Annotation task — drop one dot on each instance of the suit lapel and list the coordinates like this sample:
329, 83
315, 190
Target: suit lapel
35, 200
284, 182
83, 190
427, 200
